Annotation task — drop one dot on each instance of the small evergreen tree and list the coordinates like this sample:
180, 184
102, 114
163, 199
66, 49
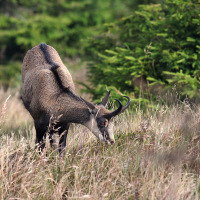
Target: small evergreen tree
159, 44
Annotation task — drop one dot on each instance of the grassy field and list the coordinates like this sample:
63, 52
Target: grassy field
156, 156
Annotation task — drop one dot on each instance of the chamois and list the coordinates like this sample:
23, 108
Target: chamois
48, 90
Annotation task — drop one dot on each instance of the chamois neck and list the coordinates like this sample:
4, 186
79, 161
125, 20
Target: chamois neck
74, 110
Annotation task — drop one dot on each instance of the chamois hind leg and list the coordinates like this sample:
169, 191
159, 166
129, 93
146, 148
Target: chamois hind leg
41, 130
63, 136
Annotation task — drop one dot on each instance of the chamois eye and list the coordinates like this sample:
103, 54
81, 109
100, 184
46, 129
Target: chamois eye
102, 124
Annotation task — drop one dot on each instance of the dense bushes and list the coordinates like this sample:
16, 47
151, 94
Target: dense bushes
62, 24
158, 45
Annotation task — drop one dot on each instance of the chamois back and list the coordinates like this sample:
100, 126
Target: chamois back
46, 57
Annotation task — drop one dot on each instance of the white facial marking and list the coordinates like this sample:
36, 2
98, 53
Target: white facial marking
110, 131
101, 137
92, 126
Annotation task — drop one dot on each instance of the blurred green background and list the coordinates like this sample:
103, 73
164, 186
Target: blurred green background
140, 48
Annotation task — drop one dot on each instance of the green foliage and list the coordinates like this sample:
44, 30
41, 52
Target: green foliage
9, 74
158, 44
63, 24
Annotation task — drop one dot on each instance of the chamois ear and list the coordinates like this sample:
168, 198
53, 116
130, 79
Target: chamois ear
91, 106
105, 99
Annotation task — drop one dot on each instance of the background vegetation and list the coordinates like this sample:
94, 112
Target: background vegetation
158, 45
145, 46
63, 24
146, 49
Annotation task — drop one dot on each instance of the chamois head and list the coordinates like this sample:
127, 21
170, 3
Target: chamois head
101, 120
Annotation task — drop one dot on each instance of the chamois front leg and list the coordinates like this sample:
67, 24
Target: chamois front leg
41, 130
63, 136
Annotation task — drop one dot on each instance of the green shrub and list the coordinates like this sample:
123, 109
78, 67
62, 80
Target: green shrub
10, 74
64, 25
158, 45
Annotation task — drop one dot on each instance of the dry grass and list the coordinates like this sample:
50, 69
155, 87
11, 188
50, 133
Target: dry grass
12, 111
156, 156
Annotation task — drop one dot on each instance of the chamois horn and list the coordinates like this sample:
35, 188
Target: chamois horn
116, 112
127, 104
105, 99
